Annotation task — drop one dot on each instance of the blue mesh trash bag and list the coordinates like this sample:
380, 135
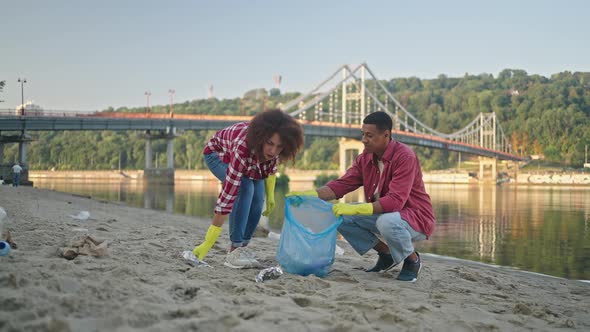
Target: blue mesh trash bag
308, 238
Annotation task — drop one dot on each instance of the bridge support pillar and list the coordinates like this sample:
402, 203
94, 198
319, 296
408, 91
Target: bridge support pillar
170, 152
148, 153
485, 163
349, 149
159, 175
22, 153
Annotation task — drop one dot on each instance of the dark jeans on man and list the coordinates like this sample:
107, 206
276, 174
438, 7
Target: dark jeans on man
16, 179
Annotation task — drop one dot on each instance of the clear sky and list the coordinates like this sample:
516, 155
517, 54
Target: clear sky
89, 55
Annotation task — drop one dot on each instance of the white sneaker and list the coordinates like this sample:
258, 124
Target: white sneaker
241, 258
251, 256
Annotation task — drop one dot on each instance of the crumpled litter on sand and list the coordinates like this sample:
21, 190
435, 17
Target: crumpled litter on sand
269, 273
274, 236
82, 215
191, 259
84, 245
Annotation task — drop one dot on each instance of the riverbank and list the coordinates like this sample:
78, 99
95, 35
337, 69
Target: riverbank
179, 175
143, 284
530, 178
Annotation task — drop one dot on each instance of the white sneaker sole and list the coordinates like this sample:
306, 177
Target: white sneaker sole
235, 266
248, 266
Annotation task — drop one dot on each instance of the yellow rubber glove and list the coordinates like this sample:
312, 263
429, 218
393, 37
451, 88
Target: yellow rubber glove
342, 209
212, 234
311, 192
269, 189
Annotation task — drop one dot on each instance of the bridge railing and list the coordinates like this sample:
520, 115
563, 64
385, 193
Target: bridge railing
43, 113
121, 115
232, 118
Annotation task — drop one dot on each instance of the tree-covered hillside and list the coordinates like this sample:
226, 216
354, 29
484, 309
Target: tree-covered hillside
540, 115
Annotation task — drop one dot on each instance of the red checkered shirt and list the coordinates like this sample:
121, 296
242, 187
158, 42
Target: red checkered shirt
231, 146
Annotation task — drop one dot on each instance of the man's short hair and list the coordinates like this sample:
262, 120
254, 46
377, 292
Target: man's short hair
380, 119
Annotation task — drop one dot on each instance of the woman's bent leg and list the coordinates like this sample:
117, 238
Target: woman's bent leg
255, 210
238, 218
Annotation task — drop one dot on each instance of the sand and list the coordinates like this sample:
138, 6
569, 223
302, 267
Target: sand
142, 283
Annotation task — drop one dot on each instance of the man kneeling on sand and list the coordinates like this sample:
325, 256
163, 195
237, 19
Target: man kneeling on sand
398, 209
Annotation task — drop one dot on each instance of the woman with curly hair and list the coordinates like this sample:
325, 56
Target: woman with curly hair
245, 157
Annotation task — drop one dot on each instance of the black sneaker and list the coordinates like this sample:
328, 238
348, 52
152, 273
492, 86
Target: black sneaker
410, 271
384, 263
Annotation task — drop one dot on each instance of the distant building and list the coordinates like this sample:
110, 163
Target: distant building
30, 109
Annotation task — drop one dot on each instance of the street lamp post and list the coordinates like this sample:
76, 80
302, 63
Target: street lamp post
171, 92
148, 94
22, 81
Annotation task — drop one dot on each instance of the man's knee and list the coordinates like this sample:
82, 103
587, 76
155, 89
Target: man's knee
389, 221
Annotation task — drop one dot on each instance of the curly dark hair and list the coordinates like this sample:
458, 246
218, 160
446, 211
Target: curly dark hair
264, 125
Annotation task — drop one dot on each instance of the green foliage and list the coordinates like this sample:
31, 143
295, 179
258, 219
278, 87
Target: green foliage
319, 153
282, 180
540, 115
322, 179
274, 92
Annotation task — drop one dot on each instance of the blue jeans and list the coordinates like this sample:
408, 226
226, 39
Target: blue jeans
16, 179
247, 208
361, 232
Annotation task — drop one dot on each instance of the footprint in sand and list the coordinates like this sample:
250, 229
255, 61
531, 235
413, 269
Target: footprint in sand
249, 314
341, 276
183, 293
523, 309
302, 301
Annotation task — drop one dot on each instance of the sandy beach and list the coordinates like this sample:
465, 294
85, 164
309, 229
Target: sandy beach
139, 282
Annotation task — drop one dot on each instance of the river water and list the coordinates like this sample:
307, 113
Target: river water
535, 228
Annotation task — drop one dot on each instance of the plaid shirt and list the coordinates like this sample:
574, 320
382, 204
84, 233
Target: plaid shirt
232, 148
